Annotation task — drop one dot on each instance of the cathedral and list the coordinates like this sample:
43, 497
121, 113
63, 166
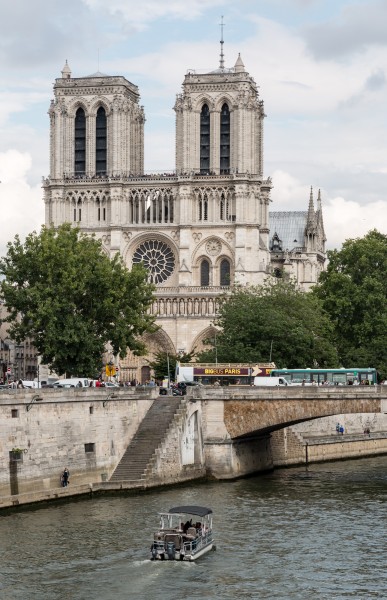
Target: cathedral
198, 230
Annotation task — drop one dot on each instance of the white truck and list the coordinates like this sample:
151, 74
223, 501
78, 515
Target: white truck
270, 381
72, 382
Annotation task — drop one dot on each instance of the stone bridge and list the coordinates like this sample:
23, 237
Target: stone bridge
237, 421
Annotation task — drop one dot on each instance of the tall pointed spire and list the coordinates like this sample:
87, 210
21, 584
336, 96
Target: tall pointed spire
319, 200
320, 220
311, 219
221, 63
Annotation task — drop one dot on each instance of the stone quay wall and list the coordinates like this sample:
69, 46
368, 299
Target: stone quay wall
86, 430
317, 440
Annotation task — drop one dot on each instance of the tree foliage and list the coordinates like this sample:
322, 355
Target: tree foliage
275, 321
164, 361
353, 291
61, 290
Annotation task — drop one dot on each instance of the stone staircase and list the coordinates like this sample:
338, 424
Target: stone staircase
149, 436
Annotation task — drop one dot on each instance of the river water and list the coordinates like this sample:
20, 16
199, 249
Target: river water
305, 533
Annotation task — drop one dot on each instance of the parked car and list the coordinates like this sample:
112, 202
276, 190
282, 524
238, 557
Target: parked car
31, 384
111, 384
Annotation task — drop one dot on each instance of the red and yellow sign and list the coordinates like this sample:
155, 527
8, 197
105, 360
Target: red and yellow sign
216, 372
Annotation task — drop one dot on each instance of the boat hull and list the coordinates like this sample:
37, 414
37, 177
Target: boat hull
177, 555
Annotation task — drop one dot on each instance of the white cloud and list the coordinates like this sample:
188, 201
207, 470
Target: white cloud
356, 27
22, 208
141, 13
288, 193
344, 219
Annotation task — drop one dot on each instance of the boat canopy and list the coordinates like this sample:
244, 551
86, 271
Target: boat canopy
201, 511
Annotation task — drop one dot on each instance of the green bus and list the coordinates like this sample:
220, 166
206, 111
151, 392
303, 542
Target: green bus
352, 376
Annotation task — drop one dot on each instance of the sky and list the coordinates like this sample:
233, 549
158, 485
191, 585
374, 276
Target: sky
321, 68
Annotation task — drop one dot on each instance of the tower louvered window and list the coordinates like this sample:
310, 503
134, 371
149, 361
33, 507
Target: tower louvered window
80, 141
225, 139
101, 141
205, 139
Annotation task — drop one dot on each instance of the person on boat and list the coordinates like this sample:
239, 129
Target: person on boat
187, 525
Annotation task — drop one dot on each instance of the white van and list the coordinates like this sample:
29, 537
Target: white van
31, 384
72, 382
270, 381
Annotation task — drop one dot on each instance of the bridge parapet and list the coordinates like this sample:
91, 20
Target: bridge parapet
288, 392
76, 395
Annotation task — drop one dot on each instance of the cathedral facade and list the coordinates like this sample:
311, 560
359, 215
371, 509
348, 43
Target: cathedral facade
199, 230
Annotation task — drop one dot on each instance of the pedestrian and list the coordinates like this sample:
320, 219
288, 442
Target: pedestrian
342, 429
66, 477
20, 384
337, 427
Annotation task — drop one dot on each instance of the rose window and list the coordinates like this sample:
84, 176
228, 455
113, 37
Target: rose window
157, 257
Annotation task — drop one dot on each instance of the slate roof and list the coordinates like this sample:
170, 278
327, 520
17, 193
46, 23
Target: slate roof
290, 228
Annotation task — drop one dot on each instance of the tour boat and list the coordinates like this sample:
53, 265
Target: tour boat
185, 533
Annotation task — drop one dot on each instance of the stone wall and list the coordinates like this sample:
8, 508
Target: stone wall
85, 430
226, 458
287, 447
181, 454
317, 441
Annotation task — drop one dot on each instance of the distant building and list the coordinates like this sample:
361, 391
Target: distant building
198, 230
17, 361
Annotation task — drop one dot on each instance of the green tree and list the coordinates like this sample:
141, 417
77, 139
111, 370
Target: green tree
353, 291
275, 321
61, 290
163, 360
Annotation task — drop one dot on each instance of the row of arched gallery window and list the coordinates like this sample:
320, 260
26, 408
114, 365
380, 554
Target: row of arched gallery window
159, 207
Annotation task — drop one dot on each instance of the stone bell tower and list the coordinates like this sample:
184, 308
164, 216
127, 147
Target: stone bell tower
219, 123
